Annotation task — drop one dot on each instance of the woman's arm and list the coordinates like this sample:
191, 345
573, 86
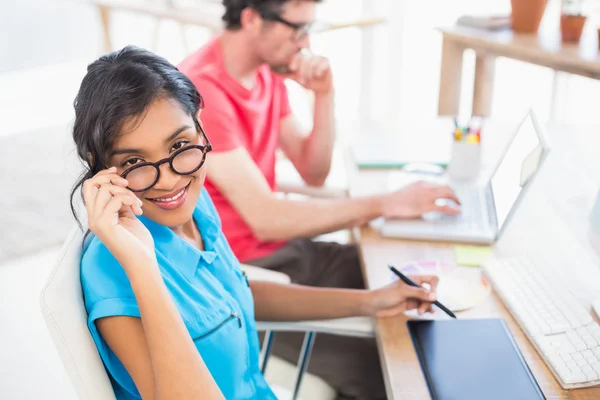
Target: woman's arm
277, 302
157, 350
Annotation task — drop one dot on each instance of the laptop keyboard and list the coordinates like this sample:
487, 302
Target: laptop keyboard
473, 224
473, 213
472, 208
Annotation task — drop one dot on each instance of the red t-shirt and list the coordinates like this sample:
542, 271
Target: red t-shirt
234, 117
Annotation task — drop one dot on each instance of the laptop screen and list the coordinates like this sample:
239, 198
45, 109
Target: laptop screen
520, 162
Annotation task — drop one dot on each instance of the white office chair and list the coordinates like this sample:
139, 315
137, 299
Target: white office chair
65, 315
64, 311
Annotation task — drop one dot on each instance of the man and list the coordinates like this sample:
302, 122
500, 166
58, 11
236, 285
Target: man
248, 118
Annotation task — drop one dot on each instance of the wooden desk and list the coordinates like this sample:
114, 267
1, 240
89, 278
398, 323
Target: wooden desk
528, 230
544, 49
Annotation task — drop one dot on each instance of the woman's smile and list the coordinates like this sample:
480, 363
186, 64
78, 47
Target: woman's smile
172, 200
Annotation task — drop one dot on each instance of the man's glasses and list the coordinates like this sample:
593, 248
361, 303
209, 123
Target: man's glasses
185, 161
301, 29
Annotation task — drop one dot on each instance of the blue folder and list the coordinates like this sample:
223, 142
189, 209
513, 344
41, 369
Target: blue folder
472, 359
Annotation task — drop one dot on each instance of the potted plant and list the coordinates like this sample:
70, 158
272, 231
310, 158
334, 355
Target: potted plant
526, 15
572, 20
596, 18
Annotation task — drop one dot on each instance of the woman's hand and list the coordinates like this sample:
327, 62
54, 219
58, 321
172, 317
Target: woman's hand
398, 297
112, 210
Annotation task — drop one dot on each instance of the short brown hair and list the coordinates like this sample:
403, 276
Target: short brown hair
234, 8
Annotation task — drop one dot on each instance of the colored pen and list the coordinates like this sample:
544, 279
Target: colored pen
472, 138
457, 135
410, 282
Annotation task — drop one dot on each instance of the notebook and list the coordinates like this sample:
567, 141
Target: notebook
472, 359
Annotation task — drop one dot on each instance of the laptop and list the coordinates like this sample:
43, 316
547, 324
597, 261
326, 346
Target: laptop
485, 209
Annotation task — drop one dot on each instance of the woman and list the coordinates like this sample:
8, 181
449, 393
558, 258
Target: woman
170, 311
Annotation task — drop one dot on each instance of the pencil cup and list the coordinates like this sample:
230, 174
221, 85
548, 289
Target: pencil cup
465, 160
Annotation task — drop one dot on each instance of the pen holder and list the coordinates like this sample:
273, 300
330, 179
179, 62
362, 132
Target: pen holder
465, 160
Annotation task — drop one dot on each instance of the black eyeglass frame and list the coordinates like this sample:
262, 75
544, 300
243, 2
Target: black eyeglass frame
302, 29
205, 150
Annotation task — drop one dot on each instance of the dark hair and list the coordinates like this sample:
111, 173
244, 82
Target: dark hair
234, 8
118, 88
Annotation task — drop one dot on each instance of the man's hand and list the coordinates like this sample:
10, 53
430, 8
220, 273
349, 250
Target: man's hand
311, 71
414, 200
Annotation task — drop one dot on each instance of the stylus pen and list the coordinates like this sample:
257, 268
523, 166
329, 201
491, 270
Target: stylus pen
410, 282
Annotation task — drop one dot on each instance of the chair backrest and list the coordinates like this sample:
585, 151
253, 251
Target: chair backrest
64, 311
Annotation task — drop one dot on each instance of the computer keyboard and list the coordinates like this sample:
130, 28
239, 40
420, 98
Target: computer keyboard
563, 331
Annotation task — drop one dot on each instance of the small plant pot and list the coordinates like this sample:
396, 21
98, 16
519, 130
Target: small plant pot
527, 14
571, 27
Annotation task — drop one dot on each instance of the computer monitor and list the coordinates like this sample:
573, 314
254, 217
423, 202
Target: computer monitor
519, 163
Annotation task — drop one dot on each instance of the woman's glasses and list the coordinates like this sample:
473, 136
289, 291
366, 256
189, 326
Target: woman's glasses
185, 161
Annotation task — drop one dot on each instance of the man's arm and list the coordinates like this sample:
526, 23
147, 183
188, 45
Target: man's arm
311, 154
237, 177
